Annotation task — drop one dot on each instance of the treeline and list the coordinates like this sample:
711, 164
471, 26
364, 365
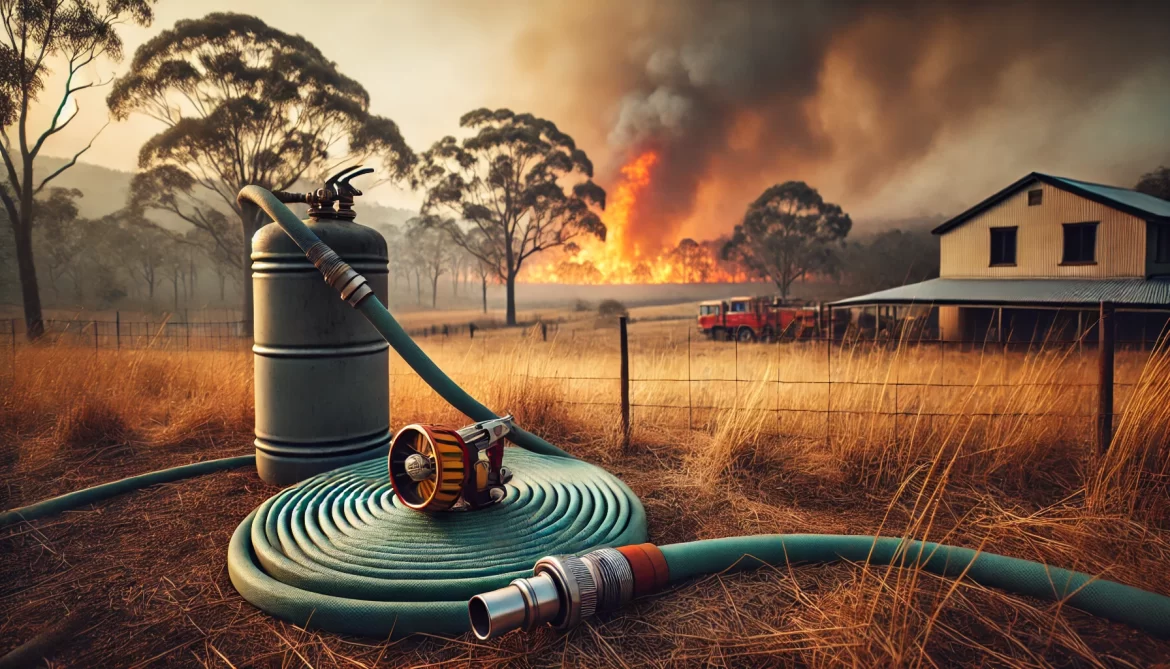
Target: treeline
119, 259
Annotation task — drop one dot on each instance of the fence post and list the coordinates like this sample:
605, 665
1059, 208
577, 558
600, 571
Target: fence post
95, 336
1105, 342
118, 329
829, 381
625, 382
690, 404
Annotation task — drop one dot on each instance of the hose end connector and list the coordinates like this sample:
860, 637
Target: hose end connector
566, 589
338, 273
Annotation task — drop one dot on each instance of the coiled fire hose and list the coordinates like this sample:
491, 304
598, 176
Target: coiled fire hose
339, 551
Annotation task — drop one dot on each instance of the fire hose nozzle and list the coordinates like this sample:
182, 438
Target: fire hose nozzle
566, 589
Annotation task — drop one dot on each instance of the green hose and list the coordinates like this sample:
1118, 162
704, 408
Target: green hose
102, 492
340, 552
1120, 603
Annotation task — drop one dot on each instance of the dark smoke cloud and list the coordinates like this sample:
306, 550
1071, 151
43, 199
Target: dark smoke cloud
850, 96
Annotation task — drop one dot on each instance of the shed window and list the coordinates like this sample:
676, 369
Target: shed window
1003, 246
1160, 240
1035, 197
1080, 243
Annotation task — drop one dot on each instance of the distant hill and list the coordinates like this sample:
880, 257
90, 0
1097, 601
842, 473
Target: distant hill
868, 228
105, 191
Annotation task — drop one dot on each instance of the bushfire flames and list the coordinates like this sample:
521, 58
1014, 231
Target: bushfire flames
622, 260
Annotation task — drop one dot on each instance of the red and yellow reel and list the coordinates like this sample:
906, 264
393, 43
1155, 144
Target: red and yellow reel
429, 466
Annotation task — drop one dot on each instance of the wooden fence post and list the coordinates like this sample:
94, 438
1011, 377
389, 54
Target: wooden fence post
625, 382
117, 329
95, 336
829, 380
1105, 342
690, 404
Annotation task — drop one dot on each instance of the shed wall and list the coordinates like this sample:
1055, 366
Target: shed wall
965, 252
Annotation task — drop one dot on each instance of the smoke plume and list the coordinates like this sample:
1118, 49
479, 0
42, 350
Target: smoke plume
884, 107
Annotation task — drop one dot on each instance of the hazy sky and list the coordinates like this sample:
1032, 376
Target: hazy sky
921, 109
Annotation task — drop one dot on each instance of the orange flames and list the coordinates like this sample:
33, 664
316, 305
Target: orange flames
621, 260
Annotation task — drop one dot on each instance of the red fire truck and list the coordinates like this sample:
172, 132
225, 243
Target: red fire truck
751, 318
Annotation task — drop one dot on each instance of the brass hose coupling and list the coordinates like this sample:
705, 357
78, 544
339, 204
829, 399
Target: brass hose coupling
566, 589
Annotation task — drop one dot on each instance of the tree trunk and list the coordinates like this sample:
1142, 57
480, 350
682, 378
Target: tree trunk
484, 294
150, 283
222, 286
29, 293
191, 278
434, 290
175, 283
510, 313
417, 289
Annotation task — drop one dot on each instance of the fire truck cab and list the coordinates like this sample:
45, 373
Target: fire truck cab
712, 318
750, 318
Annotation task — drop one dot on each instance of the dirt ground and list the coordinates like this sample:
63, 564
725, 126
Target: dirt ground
141, 580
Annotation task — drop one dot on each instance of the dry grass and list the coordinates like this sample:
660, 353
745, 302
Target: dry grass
141, 579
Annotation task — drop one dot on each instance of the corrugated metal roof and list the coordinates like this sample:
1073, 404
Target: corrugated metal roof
1155, 206
1122, 199
1145, 293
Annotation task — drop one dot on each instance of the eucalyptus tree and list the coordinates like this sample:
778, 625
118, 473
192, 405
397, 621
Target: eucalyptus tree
40, 37
243, 103
431, 250
57, 237
520, 182
148, 250
788, 231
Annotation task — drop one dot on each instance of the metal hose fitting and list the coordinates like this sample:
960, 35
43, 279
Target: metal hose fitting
339, 274
562, 591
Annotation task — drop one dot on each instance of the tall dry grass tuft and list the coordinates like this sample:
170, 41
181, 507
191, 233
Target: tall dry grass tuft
903, 616
1133, 476
737, 442
71, 410
90, 424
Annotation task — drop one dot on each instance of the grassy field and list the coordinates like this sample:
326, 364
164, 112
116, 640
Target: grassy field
993, 451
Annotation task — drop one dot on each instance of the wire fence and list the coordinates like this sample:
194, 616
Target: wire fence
172, 335
812, 388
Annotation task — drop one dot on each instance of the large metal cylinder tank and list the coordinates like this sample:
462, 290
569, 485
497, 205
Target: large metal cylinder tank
322, 378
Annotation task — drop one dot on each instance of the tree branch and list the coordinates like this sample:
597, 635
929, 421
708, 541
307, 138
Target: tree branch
72, 161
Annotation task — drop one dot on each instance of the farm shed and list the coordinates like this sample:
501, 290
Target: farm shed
1035, 260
